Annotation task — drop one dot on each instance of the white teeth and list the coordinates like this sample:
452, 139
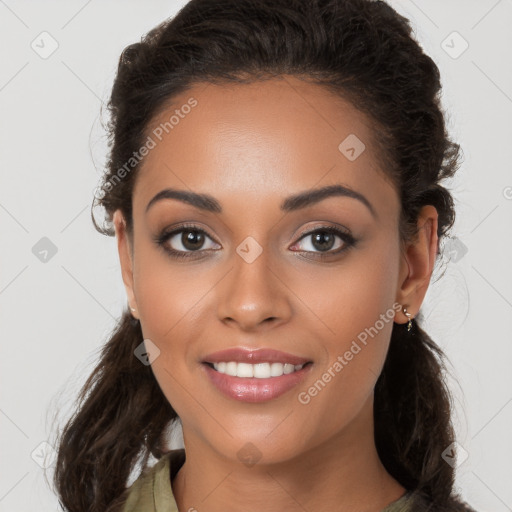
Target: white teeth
262, 370
259, 370
276, 369
288, 368
244, 370
231, 369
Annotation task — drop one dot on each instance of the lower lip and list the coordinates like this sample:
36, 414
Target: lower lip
251, 389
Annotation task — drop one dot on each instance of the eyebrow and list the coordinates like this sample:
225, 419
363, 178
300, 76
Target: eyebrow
292, 203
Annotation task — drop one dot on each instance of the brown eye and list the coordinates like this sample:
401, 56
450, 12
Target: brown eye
192, 240
185, 241
325, 240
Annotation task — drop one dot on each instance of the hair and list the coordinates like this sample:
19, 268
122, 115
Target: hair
363, 51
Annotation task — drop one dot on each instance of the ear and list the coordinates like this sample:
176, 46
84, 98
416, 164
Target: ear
125, 249
417, 264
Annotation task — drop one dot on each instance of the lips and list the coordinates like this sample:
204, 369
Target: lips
254, 356
265, 386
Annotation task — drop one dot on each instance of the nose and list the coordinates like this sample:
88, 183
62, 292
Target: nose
253, 296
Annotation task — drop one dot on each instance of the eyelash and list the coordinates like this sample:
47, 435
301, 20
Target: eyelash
348, 239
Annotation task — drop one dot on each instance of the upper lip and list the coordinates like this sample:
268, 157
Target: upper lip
254, 356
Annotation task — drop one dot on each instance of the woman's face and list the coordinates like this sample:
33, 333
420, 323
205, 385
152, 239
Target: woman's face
252, 267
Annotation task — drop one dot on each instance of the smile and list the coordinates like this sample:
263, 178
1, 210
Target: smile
259, 382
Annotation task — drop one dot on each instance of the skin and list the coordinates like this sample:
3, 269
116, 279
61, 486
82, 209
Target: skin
250, 146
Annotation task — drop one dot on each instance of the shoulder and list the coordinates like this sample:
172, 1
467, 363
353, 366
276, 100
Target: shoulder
153, 486
140, 495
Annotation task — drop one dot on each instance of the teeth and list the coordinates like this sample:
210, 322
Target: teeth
259, 370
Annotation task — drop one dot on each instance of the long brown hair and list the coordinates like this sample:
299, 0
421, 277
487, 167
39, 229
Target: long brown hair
362, 50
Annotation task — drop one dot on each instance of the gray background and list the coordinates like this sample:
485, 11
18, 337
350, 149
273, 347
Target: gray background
56, 310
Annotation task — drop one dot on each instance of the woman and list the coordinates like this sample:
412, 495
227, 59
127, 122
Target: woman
275, 187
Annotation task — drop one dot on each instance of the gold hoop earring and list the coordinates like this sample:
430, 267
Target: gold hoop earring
409, 316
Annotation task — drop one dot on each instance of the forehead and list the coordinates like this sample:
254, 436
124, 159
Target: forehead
260, 140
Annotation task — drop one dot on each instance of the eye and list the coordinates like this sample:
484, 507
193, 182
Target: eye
190, 241
185, 240
326, 240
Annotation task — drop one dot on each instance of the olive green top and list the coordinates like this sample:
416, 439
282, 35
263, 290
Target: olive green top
152, 492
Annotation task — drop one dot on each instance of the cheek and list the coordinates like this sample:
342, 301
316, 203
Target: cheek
344, 383
167, 294
171, 301
168, 301
346, 298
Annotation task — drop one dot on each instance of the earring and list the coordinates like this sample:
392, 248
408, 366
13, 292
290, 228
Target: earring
409, 316
134, 320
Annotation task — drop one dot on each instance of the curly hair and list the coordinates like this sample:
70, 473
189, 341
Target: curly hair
362, 50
